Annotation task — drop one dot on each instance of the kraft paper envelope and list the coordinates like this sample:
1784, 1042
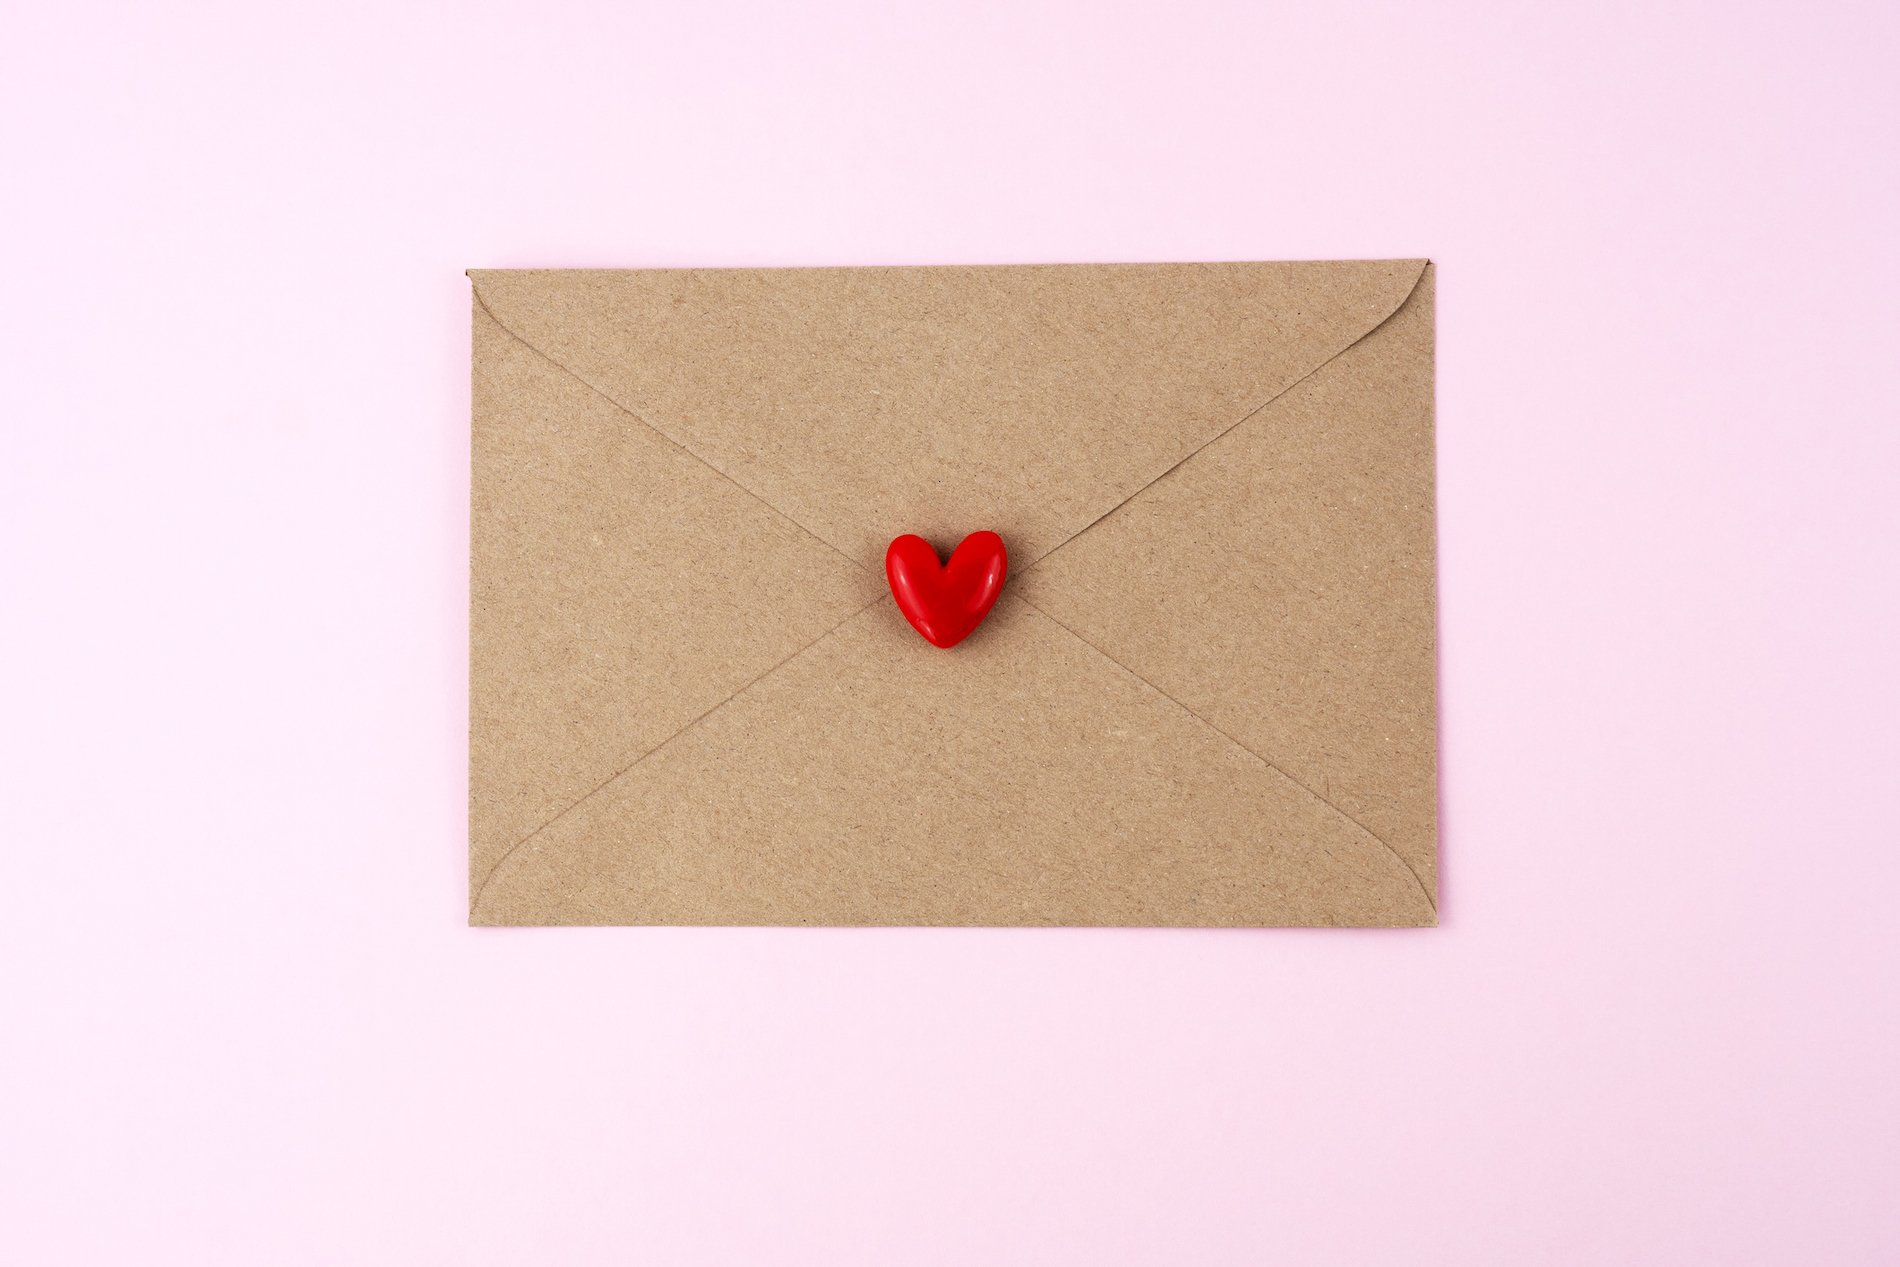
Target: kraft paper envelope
1206, 696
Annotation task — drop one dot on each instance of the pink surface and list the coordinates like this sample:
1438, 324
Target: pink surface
241, 1020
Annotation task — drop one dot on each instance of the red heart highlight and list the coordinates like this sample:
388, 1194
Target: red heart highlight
944, 602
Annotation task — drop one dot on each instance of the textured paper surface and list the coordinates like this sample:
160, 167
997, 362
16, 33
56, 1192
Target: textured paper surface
1206, 697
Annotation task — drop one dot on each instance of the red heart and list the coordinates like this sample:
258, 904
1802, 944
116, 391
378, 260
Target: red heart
944, 603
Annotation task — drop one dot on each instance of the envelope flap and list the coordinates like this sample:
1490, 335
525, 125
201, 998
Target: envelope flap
1281, 585
865, 402
1026, 780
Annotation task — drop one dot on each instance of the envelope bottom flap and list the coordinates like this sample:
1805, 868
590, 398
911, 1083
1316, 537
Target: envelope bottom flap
1028, 780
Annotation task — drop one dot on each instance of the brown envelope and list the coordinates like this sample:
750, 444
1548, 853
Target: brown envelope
1206, 696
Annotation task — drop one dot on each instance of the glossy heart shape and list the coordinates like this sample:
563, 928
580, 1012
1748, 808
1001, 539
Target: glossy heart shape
944, 602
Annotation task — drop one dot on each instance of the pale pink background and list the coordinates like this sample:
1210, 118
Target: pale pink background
243, 1021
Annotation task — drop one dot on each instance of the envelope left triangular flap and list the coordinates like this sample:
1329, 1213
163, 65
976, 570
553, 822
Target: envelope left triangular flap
615, 592
867, 401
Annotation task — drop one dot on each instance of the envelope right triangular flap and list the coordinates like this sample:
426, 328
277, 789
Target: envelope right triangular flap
1286, 592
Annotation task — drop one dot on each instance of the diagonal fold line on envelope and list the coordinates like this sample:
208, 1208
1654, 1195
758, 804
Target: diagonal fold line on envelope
1251, 414
503, 326
475, 900
1430, 898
